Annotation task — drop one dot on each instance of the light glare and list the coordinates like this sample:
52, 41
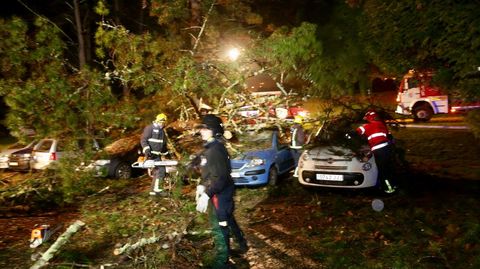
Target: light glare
233, 54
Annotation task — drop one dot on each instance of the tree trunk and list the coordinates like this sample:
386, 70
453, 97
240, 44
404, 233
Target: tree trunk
81, 40
195, 12
116, 11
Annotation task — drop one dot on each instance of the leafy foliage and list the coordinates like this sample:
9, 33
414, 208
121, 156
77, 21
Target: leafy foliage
328, 56
136, 62
43, 94
440, 35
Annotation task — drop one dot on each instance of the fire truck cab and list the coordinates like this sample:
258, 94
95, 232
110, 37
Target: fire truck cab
417, 97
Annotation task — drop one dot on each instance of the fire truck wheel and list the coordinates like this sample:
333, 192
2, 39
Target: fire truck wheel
423, 112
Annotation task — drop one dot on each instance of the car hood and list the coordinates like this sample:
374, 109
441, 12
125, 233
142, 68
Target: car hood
266, 154
262, 154
330, 152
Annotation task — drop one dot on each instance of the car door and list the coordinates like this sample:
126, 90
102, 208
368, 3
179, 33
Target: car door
283, 157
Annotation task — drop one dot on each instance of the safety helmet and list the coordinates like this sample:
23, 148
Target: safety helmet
161, 118
371, 116
213, 123
298, 119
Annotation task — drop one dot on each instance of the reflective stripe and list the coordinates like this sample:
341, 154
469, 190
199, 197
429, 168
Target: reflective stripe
376, 135
362, 129
223, 223
156, 185
294, 138
155, 140
156, 152
379, 146
296, 147
145, 148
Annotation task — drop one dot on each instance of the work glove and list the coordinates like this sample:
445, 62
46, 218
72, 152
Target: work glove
200, 190
202, 203
147, 152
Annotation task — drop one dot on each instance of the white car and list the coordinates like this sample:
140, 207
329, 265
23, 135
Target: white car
339, 161
47, 153
338, 167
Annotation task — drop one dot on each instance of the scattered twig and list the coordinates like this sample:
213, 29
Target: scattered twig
100, 191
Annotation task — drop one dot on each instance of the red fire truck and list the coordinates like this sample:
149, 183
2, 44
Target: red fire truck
417, 97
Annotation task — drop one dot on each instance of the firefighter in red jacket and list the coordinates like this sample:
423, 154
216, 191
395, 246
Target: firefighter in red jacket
377, 134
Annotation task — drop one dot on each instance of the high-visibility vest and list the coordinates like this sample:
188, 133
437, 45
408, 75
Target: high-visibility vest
376, 133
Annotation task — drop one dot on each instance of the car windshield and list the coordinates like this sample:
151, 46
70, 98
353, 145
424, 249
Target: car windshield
338, 132
251, 141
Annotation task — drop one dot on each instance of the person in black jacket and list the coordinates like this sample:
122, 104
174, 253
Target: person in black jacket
154, 146
217, 189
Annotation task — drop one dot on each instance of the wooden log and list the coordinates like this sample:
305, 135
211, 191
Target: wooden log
142, 242
61, 240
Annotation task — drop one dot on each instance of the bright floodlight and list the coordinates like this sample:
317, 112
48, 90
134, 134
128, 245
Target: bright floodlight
233, 54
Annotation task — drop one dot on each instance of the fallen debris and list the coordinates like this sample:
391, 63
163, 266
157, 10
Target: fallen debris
61, 240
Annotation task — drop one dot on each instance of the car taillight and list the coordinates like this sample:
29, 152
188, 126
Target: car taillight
53, 156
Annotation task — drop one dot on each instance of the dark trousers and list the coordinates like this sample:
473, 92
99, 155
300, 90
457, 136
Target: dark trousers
223, 223
383, 159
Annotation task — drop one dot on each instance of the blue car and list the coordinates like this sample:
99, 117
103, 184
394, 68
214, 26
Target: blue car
263, 162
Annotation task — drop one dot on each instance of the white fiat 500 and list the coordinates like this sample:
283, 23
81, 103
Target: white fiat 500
339, 161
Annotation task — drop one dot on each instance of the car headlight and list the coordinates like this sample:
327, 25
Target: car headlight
305, 155
255, 162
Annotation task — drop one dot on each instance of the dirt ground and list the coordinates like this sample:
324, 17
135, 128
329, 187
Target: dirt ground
285, 225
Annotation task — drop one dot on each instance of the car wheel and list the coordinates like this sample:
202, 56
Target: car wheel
422, 112
123, 171
272, 176
119, 169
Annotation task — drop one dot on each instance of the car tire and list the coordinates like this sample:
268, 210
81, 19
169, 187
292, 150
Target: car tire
422, 112
120, 170
272, 176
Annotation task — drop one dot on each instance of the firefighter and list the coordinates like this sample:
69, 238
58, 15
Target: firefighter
377, 134
154, 146
297, 137
217, 189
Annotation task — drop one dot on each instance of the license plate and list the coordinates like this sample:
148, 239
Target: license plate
235, 174
13, 163
330, 177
